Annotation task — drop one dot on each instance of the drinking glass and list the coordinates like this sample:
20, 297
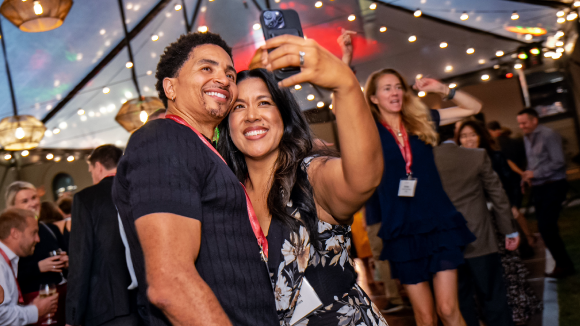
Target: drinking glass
53, 253
45, 291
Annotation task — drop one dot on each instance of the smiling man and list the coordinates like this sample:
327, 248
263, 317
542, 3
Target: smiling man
196, 258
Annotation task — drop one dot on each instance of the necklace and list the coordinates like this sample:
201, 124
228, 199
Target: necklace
399, 133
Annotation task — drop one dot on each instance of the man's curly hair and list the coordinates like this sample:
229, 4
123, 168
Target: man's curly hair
177, 53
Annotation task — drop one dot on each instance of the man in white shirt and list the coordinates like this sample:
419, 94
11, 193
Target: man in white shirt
18, 237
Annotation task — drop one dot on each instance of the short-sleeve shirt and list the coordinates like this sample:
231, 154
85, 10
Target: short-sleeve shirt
166, 168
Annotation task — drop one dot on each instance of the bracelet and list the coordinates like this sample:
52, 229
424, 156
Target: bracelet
451, 94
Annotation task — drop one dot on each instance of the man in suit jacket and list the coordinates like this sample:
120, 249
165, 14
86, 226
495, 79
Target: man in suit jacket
468, 179
98, 274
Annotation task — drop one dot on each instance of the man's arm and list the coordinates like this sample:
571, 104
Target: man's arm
170, 245
80, 263
10, 312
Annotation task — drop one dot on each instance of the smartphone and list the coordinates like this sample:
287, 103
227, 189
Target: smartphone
280, 22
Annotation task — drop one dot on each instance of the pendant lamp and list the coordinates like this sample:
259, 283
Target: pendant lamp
36, 15
18, 132
135, 112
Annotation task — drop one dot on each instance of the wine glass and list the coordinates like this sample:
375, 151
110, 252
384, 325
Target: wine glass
53, 253
45, 291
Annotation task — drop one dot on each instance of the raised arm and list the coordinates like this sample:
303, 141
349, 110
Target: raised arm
467, 105
341, 185
170, 245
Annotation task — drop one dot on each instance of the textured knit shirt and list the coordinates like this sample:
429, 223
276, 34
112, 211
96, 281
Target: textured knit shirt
545, 155
166, 168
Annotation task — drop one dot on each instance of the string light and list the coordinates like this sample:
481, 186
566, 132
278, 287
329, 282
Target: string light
297, 87
561, 13
576, 4
571, 16
310, 97
559, 43
202, 29
351, 18
421, 94
495, 66
449, 68
330, 106
443, 45
7, 157
57, 158
515, 16
481, 61
56, 131
106, 90
24, 153
528, 37
485, 77
49, 156
129, 65
464, 16
373, 6
499, 53
518, 66
154, 37
149, 72
382, 29
177, 7
70, 158
256, 26
320, 104
102, 32
412, 38
318, 4
549, 54
561, 20
419, 76
417, 13
560, 50
143, 116
470, 51
452, 85
559, 34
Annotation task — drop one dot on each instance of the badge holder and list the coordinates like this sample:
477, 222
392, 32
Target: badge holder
408, 186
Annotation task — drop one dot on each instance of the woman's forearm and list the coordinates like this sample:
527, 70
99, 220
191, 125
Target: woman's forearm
467, 102
360, 145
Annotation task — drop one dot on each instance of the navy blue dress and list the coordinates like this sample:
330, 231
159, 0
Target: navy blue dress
421, 235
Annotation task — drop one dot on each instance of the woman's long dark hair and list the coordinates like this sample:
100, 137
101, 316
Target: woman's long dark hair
289, 182
49, 213
485, 140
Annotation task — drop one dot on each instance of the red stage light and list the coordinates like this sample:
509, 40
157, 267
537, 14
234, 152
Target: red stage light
509, 75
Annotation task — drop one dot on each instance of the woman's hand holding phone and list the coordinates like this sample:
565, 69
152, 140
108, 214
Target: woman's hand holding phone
320, 67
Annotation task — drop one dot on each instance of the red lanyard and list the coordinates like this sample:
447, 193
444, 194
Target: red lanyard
110, 175
262, 241
20, 298
405, 150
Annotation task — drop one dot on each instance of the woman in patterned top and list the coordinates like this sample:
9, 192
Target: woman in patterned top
304, 201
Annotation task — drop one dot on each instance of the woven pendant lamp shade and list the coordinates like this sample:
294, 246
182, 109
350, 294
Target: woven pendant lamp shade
21, 132
130, 116
36, 16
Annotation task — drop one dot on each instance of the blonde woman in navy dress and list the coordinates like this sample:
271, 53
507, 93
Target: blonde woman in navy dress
422, 233
304, 202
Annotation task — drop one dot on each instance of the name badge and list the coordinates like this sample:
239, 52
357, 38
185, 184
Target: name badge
407, 187
308, 301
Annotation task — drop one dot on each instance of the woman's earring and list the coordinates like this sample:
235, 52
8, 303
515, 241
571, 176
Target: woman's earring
173, 99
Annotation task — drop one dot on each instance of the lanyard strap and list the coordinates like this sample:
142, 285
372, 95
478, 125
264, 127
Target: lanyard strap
262, 241
20, 297
405, 150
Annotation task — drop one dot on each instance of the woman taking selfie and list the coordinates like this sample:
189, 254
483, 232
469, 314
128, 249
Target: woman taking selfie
422, 233
304, 201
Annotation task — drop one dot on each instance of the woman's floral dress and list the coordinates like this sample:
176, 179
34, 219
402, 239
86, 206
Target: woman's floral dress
327, 266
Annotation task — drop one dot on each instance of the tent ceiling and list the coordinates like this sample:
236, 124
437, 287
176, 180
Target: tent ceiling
47, 66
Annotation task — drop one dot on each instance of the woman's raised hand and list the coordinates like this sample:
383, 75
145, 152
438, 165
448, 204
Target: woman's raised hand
320, 67
430, 85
